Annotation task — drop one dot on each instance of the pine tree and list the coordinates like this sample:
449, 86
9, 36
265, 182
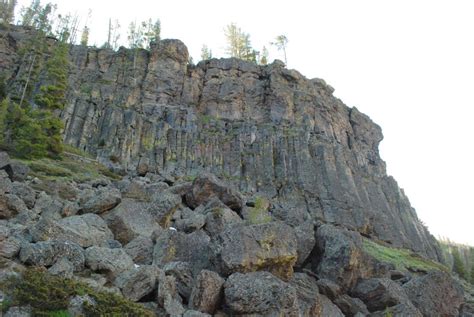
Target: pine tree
458, 265
7, 11
281, 41
206, 53
152, 31
472, 274
238, 43
85, 36
264, 56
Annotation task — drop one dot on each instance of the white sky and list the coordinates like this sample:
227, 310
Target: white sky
408, 64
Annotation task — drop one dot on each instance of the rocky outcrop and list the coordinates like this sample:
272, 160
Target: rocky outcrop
267, 129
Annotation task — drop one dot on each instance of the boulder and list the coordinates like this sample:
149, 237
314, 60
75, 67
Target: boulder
308, 295
195, 222
329, 288
183, 276
219, 217
19, 171
10, 206
47, 253
10, 247
4, 160
138, 282
48, 207
271, 247
129, 220
339, 256
379, 293
435, 294
63, 267
140, 250
25, 193
173, 246
76, 305
86, 230
351, 306
260, 293
103, 199
207, 292
329, 309
114, 261
306, 240
207, 187
162, 207
168, 296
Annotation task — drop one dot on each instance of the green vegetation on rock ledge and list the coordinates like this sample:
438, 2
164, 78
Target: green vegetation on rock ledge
77, 169
49, 295
402, 259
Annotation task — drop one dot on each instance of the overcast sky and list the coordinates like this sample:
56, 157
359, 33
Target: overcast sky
409, 65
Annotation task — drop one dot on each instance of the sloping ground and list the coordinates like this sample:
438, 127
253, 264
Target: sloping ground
162, 245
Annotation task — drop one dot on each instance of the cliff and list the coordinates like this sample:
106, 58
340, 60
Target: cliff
269, 130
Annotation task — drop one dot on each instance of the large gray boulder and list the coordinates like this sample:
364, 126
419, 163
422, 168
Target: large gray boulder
114, 261
86, 230
207, 187
138, 282
172, 246
140, 250
47, 253
271, 247
435, 294
309, 299
129, 220
379, 293
183, 275
340, 257
260, 293
207, 292
100, 201
162, 207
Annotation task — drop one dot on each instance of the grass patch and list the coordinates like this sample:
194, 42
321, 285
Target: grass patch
50, 295
402, 259
68, 168
259, 213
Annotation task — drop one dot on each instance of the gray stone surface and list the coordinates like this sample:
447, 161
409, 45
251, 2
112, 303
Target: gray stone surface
102, 200
379, 293
114, 261
138, 282
183, 275
140, 250
260, 293
174, 246
207, 292
435, 293
308, 296
47, 253
129, 220
271, 246
86, 230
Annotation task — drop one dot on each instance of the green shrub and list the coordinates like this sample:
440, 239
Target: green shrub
50, 296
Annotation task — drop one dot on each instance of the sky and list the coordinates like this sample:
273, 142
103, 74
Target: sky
407, 64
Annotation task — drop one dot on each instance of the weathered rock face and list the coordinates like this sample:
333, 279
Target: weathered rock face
265, 128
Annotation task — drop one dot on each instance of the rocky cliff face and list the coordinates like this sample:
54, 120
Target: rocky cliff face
269, 130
